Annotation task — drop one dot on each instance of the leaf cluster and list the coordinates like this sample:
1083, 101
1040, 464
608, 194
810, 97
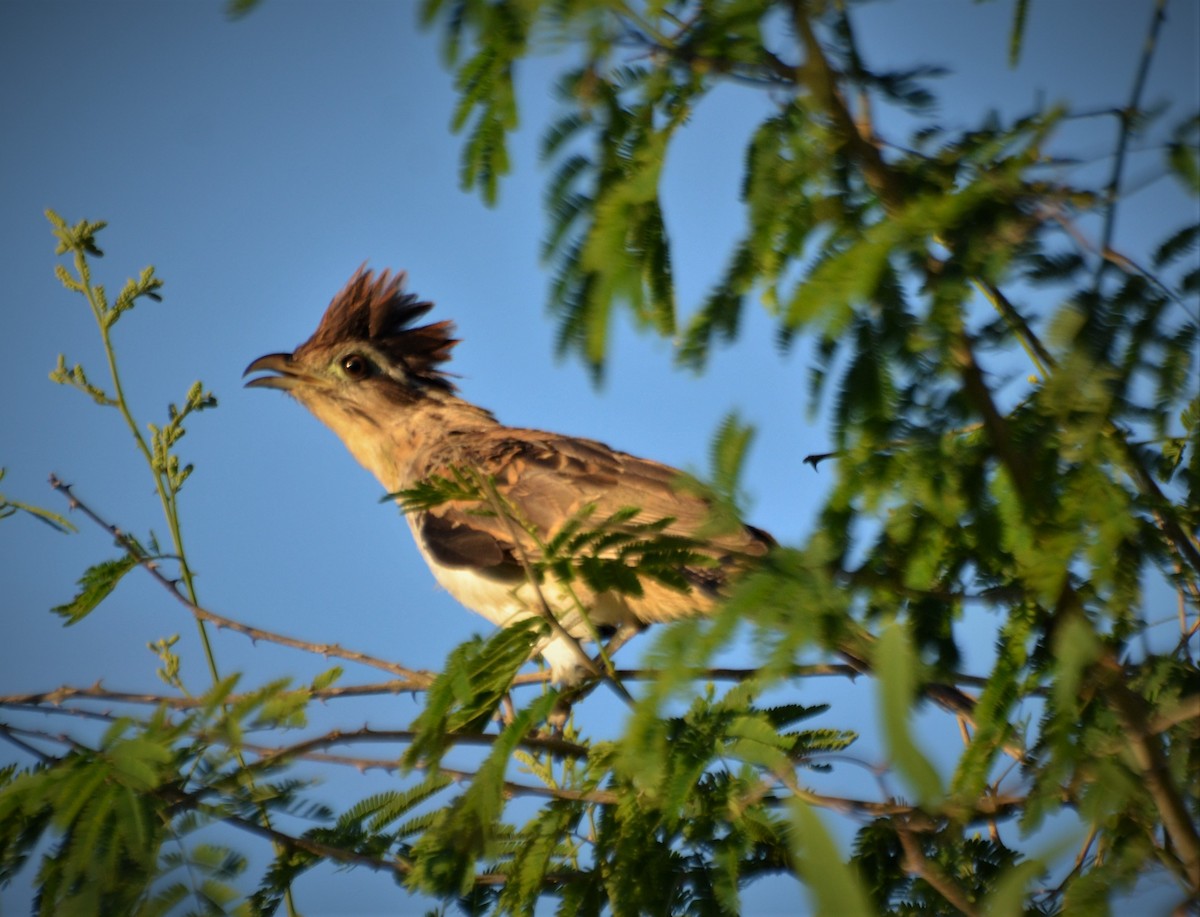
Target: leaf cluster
121, 813
1059, 506
1015, 444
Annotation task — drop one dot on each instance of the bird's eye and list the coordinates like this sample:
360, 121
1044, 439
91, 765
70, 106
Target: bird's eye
356, 366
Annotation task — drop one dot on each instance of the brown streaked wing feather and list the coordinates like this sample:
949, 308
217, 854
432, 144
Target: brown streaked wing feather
548, 479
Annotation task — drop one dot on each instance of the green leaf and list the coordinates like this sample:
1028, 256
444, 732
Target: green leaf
543, 847
138, 762
436, 490
1178, 243
836, 886
1076, 647
476, 677
1009, 896
1017, 35
896, 663
388, 807
236, 9
728, 454
1183, 154
470, 828
326, 678
48, 517
95, 585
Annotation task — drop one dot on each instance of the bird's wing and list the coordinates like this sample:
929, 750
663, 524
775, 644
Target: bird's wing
548, 480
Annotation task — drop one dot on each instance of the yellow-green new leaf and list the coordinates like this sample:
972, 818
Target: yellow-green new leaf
94, 586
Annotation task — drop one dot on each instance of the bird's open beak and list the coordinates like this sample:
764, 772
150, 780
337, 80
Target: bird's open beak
288, 374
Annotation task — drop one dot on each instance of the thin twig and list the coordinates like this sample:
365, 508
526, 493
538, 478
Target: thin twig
65, 693
150, 564
552, 745
984, 808
917, 863
511, 788
1127, 117
10, 734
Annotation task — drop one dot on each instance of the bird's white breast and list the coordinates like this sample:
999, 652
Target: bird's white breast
504, 604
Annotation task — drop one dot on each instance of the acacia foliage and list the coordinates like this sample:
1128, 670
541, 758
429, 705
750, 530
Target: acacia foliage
916, 264
1051, 506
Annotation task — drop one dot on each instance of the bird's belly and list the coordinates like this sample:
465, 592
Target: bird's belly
503, 603
499, 602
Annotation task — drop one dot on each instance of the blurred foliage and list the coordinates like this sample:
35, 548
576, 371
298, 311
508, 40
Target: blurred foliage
1016, 433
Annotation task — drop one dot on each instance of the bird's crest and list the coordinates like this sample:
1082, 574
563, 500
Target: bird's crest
375, 309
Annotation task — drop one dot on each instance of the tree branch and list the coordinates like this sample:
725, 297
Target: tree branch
916, 862
150, 564
1128, 116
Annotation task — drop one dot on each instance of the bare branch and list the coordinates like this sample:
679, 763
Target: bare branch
1128, 116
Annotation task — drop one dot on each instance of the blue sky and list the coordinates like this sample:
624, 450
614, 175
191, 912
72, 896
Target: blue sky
256, 164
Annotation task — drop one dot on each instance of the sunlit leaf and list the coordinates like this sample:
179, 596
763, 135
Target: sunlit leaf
94, 587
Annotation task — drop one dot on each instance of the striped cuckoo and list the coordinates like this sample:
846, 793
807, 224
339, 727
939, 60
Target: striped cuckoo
377, 379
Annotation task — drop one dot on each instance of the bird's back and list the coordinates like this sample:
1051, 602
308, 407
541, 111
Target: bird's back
557, 492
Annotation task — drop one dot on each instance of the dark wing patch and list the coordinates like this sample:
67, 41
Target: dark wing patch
548, 479
454, 541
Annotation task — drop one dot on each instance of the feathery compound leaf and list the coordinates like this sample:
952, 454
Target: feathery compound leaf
1177, 244
382, 809
400, 804
1053, 267
444, 857
95, 585
484, 80
477, 675
108, 823
543, 848
436, 490
896, 661
727, 455
720, 315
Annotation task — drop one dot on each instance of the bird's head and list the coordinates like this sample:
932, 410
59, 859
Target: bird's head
365, 356
366, 370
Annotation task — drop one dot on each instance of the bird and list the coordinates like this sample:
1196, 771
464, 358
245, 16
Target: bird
378, 379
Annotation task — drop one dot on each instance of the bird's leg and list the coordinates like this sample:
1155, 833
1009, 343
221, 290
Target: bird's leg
568, 696
617, 637
622, 635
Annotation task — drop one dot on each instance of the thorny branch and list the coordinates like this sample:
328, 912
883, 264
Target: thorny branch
151, 565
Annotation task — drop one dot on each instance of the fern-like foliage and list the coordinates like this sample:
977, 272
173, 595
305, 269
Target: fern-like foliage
1056, 504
